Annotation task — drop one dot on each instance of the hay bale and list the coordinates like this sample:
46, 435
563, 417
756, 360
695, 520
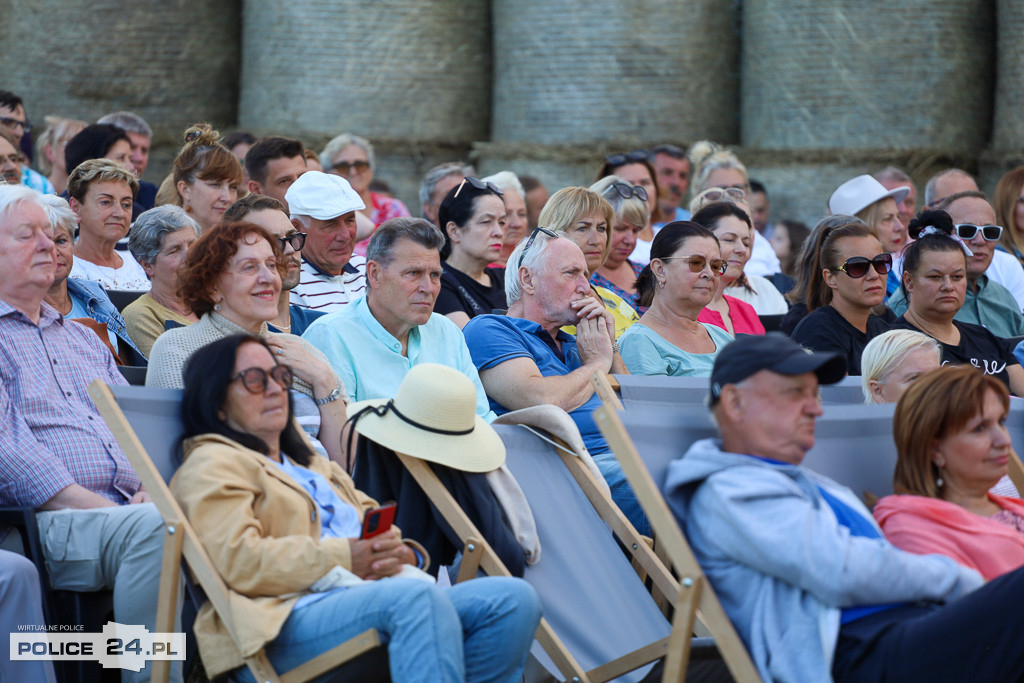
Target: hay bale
1008, 133
821, 74
173, 63
582, 71
398, 69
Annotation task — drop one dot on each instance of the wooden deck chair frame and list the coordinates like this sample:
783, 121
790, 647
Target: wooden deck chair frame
703, 603
674, 648
180, 539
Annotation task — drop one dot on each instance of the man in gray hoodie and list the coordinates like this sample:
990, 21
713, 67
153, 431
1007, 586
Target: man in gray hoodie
806, 576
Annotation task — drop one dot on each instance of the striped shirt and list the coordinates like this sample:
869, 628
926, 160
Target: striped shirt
328, 293
53, 435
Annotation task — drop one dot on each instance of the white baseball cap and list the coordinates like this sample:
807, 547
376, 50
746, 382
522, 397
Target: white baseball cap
858, 194
322, 196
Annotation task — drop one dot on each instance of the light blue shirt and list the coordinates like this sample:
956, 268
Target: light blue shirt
645, 352
369, 359
338, 519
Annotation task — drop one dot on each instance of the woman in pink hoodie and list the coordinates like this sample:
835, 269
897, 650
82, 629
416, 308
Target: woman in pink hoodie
953, 446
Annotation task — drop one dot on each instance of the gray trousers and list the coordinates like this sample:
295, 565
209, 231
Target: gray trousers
20, 605
115, 548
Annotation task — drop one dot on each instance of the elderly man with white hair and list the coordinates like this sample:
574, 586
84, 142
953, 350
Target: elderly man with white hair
324, 207
97, 525
525, 359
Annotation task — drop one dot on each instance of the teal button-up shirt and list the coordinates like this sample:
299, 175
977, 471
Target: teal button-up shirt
992, 306
369, 359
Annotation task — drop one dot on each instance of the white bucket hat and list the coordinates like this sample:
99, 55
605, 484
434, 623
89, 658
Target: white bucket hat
432, 417
861, 192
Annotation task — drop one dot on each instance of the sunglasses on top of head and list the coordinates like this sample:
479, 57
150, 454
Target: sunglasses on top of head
858, 266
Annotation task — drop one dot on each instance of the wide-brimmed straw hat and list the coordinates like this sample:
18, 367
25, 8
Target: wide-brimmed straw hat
860, 193
432, 417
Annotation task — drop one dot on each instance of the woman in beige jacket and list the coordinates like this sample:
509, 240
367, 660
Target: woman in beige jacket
282, 527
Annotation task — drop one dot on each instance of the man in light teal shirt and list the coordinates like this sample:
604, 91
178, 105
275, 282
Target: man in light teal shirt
374, 342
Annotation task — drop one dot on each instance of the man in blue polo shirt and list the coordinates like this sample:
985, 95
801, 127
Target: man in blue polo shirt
525, 359
374, 342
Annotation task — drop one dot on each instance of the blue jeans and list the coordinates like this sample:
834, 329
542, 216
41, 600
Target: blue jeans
622, 492
480, 630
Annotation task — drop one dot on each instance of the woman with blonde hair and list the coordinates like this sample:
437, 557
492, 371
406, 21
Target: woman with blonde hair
715, 166
206, 176
894, 360
586, 219
50, 147
631, 204
1009, 205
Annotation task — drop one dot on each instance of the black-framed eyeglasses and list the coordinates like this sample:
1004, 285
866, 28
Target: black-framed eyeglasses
346, 167
627, 191
967, 231
621, 159
8, 122
480, 185
698, 263
529, 242
297, 240
858, 266
255, 379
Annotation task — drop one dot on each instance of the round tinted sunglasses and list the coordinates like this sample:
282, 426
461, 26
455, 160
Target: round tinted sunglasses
627, 191
255, 379
697, 263
717, 194
857, 266
967, 231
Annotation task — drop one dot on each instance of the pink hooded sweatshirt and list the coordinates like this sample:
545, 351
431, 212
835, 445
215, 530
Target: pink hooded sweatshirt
929, 525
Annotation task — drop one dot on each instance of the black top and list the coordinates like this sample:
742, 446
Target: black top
460, 292
977, 347
827, 330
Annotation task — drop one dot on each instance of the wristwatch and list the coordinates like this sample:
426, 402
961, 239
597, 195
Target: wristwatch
329, 398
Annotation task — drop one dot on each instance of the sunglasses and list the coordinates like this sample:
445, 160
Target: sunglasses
636, 156
529, 243
14, 123
857, 266
480, 185
967, 231
346, 167
717, 194
297, 240
698, 263
627, 191
255, 379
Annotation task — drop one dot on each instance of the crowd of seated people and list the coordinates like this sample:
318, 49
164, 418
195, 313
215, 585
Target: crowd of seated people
338, 283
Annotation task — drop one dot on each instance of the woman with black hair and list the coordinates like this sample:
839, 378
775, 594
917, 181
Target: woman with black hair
282, 527
680, 280
935, 284
731, 225
846, 281
472, 219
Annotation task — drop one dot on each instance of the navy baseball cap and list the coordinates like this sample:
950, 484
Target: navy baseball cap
751, 353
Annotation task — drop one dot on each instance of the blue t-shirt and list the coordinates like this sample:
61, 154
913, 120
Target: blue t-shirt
494, 339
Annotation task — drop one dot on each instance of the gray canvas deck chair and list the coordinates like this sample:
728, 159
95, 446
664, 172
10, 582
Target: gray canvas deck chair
154, 415
853, 442
600, 621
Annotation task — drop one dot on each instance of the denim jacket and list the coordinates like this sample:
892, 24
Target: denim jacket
94, 299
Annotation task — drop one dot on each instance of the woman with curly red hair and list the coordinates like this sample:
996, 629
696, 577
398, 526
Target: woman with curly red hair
232, 280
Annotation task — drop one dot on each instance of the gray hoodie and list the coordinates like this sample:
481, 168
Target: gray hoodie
783, 566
